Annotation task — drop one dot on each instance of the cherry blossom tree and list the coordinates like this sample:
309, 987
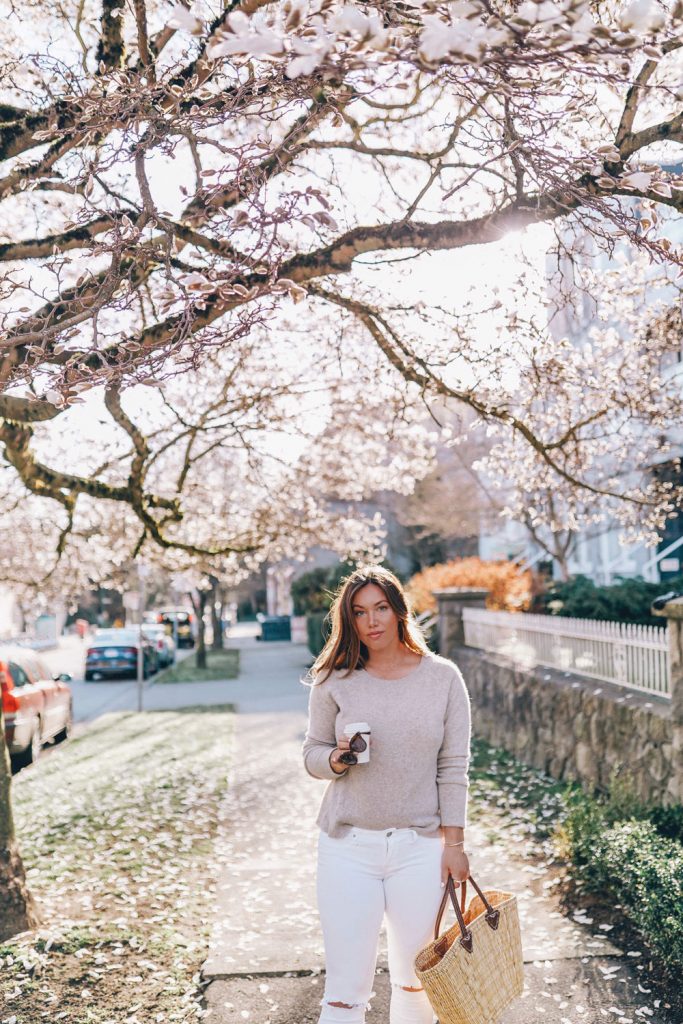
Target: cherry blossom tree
451, 505
176, 181
236, 462
225, 463
610, 404
175, 177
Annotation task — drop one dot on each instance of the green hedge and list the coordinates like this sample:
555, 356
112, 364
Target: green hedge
309, 592
640, 867
628, 600
629, 852
317, 632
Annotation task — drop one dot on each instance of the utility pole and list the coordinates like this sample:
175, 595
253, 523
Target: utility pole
143, 571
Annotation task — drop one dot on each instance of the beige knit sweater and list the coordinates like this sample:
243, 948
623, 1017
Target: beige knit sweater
417, 773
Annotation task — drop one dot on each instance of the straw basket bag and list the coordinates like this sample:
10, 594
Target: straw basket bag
474, 970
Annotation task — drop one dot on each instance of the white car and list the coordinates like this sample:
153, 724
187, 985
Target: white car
163, 643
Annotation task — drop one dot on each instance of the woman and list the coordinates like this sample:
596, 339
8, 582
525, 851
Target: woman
392, 829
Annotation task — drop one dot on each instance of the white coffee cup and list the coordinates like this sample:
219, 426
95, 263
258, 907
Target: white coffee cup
351, 729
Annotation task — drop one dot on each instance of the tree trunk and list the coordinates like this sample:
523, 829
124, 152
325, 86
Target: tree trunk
216, 615
563, 566
565, 543
559, 547
17, 910
199, 598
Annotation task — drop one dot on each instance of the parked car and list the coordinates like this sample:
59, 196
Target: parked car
165, 646
113, 653
185, 624
37, 705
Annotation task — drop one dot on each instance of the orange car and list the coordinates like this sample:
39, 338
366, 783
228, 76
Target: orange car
37, 706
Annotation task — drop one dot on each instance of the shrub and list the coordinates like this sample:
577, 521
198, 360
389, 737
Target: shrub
589, 815
639, 861
643, 868
309, 592
621, 848
508, 587
668, 821
628, 600
647, 870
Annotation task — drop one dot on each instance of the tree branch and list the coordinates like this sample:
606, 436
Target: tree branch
396, 353
25, 410
143, 41
636, 90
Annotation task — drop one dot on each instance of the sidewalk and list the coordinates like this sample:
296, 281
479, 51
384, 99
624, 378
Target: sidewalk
265, 959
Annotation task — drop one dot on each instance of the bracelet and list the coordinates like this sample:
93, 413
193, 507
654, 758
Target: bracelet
455, 844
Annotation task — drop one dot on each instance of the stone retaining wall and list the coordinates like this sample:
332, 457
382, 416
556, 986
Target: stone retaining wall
572, 727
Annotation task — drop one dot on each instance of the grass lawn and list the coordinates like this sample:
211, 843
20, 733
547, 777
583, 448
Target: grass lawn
116, 829
220, 665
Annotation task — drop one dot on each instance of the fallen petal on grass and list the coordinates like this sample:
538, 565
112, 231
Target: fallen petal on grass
117, 832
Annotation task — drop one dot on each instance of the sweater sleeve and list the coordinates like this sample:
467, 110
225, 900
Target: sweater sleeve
320, 738
454, 756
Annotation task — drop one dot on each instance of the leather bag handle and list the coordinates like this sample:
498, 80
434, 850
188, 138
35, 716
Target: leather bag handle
492, 915
450, 891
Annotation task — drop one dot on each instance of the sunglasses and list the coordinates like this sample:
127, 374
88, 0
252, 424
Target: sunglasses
356, 746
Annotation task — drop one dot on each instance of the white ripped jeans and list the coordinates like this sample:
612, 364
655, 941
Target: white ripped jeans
362, 877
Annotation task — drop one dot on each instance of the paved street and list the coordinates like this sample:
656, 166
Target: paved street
265, 958
94, 698
90, 699
260, 683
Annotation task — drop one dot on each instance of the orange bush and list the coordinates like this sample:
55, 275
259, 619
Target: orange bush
509, 589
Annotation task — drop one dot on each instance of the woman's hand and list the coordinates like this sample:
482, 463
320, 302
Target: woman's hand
454, 862
342, 745
335, 764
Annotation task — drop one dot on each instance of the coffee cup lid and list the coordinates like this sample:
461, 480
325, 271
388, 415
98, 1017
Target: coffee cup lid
353, 727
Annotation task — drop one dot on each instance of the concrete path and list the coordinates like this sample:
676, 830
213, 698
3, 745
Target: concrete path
265, 960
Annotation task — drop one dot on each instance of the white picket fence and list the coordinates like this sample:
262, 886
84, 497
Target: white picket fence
617, 652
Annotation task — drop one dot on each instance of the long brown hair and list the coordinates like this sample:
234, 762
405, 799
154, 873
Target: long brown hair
344, 649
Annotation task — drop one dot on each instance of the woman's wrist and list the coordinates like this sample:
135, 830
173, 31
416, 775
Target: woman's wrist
454, 836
